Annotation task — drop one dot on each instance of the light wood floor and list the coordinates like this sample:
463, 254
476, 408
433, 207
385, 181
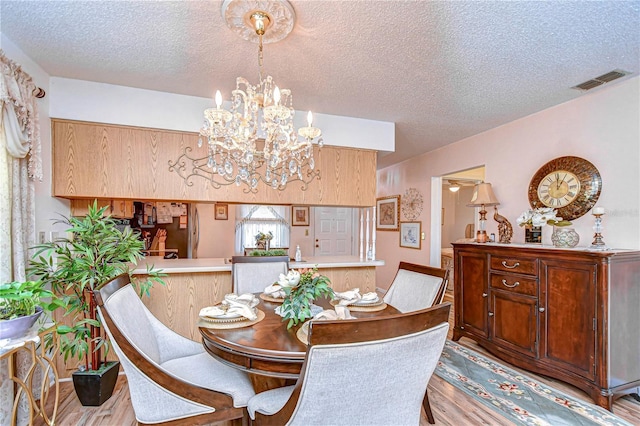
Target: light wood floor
450, 406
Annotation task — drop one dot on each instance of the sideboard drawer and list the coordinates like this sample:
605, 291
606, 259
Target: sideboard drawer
515, 265
515, 283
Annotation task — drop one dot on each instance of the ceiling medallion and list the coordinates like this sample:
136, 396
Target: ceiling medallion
255, 139
237, 14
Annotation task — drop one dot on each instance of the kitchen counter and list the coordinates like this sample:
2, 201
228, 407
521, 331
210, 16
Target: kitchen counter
191, 284
176, 266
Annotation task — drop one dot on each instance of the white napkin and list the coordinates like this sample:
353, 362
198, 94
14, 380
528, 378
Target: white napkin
340, 313
243, 305
275, 290
350, 297
248, 299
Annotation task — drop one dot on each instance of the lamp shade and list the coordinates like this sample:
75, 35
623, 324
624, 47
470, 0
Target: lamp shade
483, 196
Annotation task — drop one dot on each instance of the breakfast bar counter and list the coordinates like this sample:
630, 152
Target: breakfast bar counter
219, 264
192, 284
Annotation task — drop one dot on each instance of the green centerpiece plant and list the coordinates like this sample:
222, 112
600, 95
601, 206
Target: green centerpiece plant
301, 288
94, 251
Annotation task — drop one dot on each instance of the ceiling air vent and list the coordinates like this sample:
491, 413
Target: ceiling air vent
604, 78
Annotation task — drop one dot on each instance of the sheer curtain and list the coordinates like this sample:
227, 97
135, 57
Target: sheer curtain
20, 165
251, 219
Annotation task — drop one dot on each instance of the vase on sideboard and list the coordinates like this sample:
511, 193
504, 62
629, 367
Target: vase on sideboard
565, 236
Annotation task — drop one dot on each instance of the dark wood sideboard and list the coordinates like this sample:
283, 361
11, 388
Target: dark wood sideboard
570, 314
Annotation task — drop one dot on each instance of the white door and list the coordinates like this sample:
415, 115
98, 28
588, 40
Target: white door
333, 231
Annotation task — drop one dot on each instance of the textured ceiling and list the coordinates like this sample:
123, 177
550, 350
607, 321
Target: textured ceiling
441, 70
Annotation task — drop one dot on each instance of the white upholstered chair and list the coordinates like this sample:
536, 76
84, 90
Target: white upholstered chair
172, 380
363, 371
252, 274
416, 287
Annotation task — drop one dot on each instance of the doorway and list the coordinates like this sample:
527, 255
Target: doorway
450, 216
333, 231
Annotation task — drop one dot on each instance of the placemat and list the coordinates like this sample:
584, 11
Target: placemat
303, 333
231, 324
268, 298
354, 308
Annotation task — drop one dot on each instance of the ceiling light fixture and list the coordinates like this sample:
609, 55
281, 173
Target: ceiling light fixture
255, 139
454, 186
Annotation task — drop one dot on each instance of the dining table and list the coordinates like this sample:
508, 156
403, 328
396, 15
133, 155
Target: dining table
270, 352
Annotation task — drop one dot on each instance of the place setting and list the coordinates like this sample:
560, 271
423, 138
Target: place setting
367, 302
276, 292
235, 311
338, 313
273, 293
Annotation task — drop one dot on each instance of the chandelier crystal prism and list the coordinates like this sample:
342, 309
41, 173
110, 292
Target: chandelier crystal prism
255, 140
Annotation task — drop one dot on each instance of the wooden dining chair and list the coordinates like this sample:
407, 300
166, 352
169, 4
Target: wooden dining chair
252, 274
369, 371
416, 287
172, 380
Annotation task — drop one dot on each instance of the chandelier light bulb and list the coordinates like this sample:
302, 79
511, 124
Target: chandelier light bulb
218, 99
276, 96
310, 118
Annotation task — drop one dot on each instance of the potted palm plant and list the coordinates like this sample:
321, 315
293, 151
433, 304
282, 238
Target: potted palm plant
21, 303
95, 251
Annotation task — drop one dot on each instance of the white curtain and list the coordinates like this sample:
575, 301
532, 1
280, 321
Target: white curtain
251, 219
20, 165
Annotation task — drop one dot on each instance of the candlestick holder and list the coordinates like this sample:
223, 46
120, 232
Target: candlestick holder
598, 243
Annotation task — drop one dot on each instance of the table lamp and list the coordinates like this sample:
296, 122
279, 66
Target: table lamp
483, 196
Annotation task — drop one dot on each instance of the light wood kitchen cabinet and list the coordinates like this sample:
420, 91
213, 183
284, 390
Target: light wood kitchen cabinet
119, 209
122, 209
80, 207
566, 313
92, 160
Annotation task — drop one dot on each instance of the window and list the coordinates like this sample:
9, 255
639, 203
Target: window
251, 219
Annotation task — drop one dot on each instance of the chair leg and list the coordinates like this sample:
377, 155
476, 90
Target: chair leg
427, 408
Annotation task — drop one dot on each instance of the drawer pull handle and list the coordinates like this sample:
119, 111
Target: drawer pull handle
516, 284
484, 294
541, 309
490, 314
515, 265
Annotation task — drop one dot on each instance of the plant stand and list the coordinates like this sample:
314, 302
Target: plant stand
95, 387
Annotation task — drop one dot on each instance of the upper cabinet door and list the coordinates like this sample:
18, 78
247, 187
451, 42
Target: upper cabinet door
92, 160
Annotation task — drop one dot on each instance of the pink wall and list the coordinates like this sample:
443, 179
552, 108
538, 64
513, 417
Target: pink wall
602, 126
217, 237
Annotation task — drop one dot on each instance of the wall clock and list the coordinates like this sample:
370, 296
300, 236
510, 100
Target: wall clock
411, 204
571, 185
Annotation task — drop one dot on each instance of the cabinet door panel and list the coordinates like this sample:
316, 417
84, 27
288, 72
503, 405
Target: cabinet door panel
568, 295
514, 321
472, 306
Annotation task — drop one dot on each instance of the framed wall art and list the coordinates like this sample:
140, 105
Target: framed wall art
410, 235
300, 215
221, 211
388, 213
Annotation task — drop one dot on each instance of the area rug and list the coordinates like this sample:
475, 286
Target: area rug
521, 399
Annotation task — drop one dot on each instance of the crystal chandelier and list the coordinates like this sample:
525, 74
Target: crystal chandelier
255, 139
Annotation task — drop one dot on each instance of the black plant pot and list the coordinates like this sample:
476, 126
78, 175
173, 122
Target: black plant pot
95, 387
